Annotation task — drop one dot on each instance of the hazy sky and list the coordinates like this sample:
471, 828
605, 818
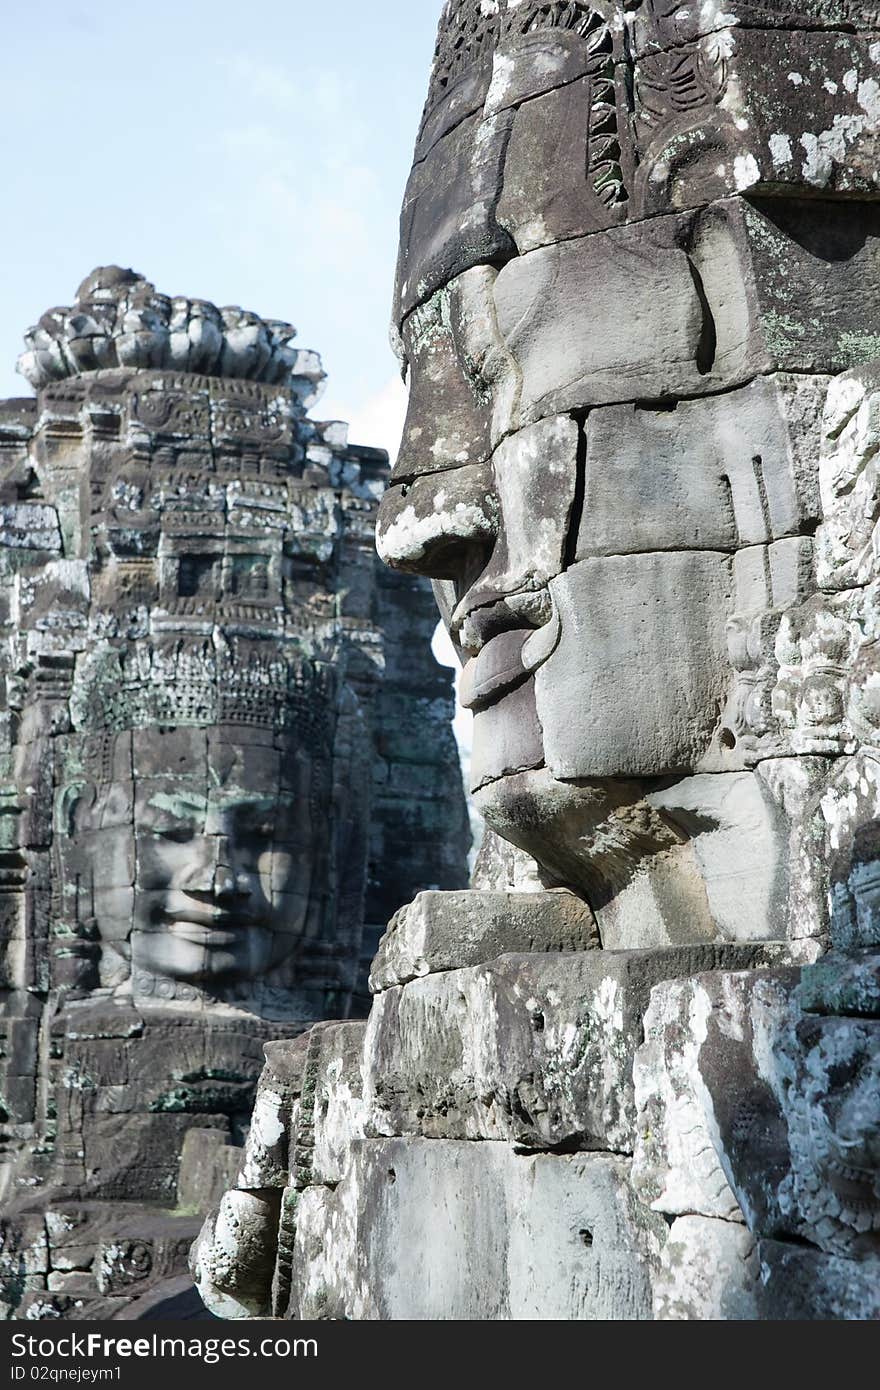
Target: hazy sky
249, 153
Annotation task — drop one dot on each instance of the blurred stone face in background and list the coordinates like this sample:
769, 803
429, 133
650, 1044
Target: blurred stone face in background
225, 753
225, 840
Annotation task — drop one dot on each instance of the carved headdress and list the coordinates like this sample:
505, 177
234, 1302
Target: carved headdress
120, 320
202, 683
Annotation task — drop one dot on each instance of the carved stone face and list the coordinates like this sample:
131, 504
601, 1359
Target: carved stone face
610, 462
206, 859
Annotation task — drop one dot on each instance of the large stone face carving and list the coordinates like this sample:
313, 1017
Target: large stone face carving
226, 839
197, 855
208, 796
624, 360
638, 306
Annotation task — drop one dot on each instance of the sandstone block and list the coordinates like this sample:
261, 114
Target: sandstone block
799, 1284
670, 656
137, 1156
541, 59
463, 99
849, 482
208, 1166
338, 1114
660, 309
308, 1106
439, 384
424, 1230
448, 221
76, 1283
776, 110
711, 1137
445, 931
728, 471
620, 309
708, 1273
652, 27
568, 126
534, 1049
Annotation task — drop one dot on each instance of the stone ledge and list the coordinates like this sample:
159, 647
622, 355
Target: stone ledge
446, 931
536, 1049
422, 1229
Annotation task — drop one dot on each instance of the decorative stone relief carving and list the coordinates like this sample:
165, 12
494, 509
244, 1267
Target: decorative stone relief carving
209, 793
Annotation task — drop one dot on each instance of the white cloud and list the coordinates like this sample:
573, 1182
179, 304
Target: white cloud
264, 83
305, 203
379, 422
463, 724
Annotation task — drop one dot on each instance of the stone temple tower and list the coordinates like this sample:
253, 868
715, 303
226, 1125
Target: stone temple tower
208, 784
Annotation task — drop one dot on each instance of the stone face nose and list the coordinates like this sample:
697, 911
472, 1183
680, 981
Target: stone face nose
226, 883
435, 525
232, 881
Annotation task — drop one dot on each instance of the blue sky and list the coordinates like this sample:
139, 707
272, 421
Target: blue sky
252, 154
